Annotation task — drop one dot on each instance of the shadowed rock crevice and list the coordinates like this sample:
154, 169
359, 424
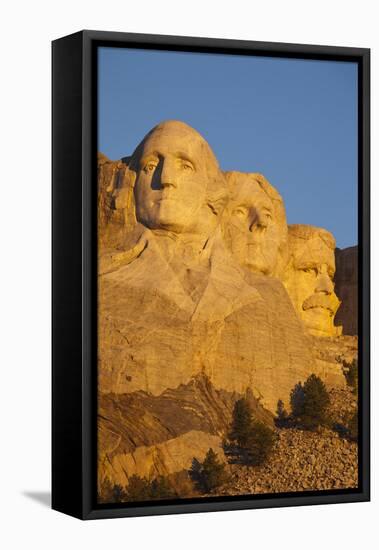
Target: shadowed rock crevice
347, 288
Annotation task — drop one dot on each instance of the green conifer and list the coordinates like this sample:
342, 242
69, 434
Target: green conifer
242, 421
309, 402
213, 472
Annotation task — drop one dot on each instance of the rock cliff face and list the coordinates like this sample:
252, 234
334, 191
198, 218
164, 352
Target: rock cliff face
309, 278
153, 345
184, 328
151, 337
347, 288
159, 435
116, 217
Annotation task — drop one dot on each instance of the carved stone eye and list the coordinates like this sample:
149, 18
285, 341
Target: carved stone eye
187, 166
240, 212
150, 167
309, 270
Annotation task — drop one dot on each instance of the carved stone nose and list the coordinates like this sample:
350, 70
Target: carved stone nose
324, 284
258, 221
168, 175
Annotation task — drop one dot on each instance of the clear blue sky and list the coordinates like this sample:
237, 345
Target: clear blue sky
293, 120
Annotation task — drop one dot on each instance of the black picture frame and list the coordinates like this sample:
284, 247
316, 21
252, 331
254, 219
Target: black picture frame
74, 271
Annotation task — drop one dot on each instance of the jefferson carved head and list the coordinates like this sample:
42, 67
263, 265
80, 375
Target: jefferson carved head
178, 185
254, 224
309, 278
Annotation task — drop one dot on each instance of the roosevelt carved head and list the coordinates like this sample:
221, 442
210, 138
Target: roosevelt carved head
254, 223
309, 278
178, 184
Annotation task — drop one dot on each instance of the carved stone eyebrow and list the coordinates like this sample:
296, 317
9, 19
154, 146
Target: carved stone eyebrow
185, 156
267, 209
306, 265
150, 156
263, 206
156, 155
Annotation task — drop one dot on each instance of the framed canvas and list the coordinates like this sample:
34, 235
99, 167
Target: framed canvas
210, 275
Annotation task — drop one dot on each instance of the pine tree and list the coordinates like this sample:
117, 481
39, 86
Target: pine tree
351, 374
118, 493
213, 472
297, 400
316, 399
309, 402
281, 413
259, 443
160, 488
138, 489
254, 438
242, 421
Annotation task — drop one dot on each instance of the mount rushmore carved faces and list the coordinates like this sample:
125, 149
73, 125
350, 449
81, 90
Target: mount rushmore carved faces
179, 194
254, 224
178, 180
309, 278
192, 307
181, 293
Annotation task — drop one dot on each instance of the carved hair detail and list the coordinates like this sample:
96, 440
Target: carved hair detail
306, 232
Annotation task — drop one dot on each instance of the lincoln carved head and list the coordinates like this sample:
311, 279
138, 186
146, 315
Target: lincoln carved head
178, 185
254, 224
309, 278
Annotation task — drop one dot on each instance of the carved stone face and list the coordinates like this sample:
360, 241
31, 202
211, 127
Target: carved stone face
254, 230
172, 178
309, 278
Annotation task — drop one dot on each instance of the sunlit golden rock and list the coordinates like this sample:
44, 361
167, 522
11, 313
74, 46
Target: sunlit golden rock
254, 224
192, 311
309, 278
179, 303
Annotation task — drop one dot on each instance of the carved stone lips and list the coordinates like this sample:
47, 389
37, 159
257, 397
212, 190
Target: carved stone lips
321, 301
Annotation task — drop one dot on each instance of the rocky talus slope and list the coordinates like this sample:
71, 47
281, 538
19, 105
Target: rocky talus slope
303, 460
